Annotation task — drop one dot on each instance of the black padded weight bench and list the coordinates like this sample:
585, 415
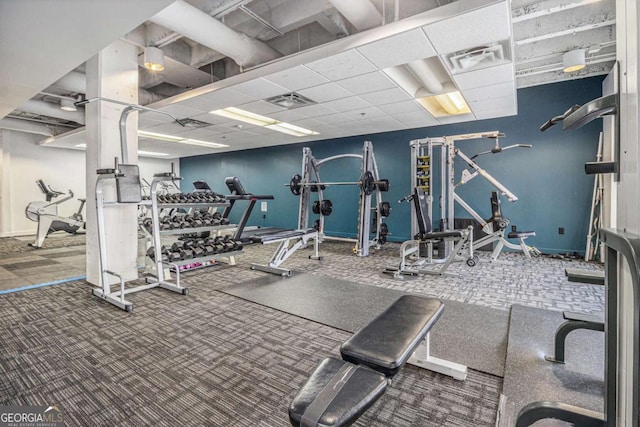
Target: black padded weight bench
462, 239
285, 248
340, 391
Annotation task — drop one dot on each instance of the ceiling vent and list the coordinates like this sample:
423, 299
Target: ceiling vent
477, 57
290, 101
194, 124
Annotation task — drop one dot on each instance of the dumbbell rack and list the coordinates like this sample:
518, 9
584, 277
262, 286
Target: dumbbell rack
159, 264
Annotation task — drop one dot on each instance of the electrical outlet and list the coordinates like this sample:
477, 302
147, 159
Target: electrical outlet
561, 230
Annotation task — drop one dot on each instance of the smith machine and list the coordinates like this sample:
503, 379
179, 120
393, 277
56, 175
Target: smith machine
309, 181
421, 154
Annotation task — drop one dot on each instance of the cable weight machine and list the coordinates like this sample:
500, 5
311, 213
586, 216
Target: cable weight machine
422, 151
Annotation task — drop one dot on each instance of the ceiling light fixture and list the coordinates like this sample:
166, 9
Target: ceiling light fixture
291, 129
67, 105
574, 60
180, 140
446, 104
153, 58
244, 116
258, 120
438, 104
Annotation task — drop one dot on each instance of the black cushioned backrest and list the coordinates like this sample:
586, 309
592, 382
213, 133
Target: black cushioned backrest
128, 185
234, 185
420, 204
389, 340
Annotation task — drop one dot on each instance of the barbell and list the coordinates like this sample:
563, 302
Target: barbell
367, 184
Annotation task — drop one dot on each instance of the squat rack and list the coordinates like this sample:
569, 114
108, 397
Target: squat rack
309, 181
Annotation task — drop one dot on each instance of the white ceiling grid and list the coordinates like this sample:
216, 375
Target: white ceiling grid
346, 79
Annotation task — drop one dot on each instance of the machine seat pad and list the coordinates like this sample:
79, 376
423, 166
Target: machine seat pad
518, 234
437, 235
286, 234
389, 340
361, 390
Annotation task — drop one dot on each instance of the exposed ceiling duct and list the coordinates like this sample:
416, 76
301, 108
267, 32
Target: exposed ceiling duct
361, 13
76, 82
49, 109
193, 23
25, 126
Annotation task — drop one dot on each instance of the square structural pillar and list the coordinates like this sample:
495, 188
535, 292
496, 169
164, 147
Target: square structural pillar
113, 74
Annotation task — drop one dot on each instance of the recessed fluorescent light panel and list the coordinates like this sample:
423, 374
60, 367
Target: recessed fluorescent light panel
446, 104
140, 152
180, 140
258, 120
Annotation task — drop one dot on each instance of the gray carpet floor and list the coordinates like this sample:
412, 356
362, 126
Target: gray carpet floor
213, 359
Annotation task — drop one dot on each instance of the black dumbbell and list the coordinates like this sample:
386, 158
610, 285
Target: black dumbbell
198, 251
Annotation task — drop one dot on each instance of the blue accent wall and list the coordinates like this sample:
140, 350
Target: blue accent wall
548, 179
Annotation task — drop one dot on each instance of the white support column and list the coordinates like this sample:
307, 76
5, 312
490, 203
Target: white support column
627, 214
5, 211
112, 73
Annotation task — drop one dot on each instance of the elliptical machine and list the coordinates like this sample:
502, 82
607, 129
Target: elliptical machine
46, 214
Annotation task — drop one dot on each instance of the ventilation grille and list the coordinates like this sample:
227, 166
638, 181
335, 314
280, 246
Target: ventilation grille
194, 124
477, 57
290, 100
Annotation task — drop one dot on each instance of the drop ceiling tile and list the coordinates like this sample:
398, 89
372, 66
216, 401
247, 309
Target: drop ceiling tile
221, 98
180, 111
396, 108
296, 78
261, 107
201, 133
421, 117
458, 118
387, 96
490, 92
399, 49
325, 92
310, 123
288, 116
475, 28
169, 129
347, 104
314, 110
333, 119
496, 107
485, 77
365, 83
260, 89
343, 65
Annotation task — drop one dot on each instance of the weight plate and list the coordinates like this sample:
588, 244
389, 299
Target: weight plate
316, 207
383, 185
384, 230
384, 208
326, 207
295, 184
367, 183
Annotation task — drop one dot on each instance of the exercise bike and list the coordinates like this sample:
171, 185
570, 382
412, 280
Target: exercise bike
45, 213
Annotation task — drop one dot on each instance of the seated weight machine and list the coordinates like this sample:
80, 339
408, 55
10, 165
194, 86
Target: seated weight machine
411, 264
309, 181
46, 214
496, 227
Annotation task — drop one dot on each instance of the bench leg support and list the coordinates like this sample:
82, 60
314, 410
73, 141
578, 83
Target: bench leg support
561, 336
422, 359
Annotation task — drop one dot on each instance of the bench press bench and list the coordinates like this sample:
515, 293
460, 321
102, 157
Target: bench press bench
285, 249
340, 391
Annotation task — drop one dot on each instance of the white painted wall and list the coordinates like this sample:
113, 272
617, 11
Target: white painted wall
23, 161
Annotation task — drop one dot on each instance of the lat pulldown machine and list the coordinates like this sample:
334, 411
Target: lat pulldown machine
309, 181
495, 228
